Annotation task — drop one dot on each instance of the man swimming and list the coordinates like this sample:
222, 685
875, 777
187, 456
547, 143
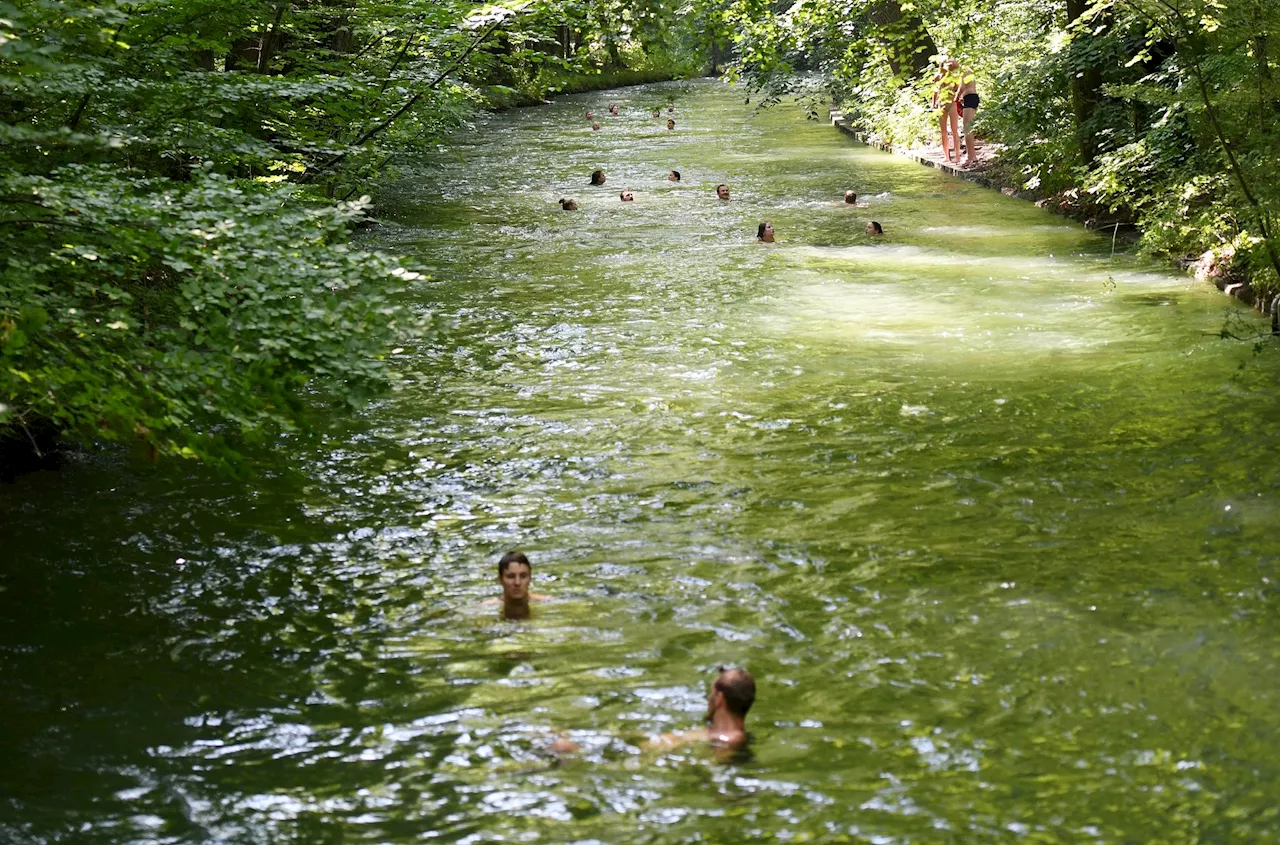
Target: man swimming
627, 196
732, 694
671, 124
515, 575
764, 233
850, 198
722, 191
595, 126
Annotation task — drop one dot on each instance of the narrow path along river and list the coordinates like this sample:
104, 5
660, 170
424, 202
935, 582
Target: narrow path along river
993, 517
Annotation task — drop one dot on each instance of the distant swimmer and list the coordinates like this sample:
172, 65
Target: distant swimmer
850, 198
764, 234
657, 114
732, 694
671, 108
597, 177
673, 176
671, 124
595, 126
626, 196
613, 108
591, 115
722, 191
515, 574
568, 204
874, 228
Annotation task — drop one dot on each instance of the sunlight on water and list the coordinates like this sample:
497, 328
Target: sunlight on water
990, 514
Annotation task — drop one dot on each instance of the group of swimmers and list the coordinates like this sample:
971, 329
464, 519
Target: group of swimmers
764, 232
732, 692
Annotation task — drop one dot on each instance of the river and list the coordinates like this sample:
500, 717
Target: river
992, 515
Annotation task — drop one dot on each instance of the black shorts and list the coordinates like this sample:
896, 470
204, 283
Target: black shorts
970, 101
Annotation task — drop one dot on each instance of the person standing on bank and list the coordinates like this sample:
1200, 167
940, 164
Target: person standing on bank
944, 90
967, 104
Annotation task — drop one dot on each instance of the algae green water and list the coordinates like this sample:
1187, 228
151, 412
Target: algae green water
993, 517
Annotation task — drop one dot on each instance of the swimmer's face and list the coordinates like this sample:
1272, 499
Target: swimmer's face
723, 192
871, 229
515, 582
595, 127
672, 177
768, 232
671, 124
627, 196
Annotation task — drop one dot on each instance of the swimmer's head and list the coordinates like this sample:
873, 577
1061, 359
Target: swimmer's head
590, 114
597, 177
568, 204
671, 108
671, 124
514, 574
595, 126
657, 113
765, 232
733, 690
673, 176
850, 197
626, 196
874, 228
722, 191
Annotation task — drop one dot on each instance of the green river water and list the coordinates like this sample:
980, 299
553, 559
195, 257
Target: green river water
993, 517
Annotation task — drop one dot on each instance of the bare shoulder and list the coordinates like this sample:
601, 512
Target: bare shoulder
539, 597
675, 739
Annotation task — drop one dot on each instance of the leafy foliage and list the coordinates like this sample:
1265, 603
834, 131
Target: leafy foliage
179, 186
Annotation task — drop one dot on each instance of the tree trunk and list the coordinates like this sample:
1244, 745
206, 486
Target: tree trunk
1086, 84
909, 45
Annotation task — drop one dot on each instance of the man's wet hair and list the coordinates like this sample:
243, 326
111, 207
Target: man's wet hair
850, 197
597, 177
721, 185
510, 558
738, 688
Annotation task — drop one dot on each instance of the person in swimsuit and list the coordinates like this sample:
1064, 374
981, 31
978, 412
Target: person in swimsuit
944, 95
595, 126
967, 104
671, 124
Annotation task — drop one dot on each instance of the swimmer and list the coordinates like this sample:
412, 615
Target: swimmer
671, 124
673, 176
626, 196
595, 126
613, 108
591, 115
732, 694
568, 205
722, 192
597, 177
515, 575
671, 108
656, 114
874, 228
850, 198
764, 234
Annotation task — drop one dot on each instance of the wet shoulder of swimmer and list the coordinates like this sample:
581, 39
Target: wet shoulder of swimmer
515, 575
732, 693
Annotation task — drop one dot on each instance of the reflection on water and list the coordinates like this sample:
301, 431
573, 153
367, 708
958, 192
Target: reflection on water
988, 515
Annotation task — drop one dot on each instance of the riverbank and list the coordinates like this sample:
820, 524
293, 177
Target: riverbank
500, 98
1213, 266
